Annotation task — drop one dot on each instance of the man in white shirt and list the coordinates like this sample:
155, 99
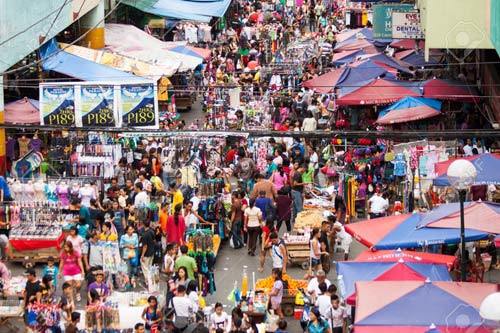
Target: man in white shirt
468, 148
141, 198
182, 305
323, 301
377, 205
336, 316
313, 286
309, 124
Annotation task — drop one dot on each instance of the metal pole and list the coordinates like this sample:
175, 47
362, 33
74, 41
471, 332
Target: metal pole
463, 261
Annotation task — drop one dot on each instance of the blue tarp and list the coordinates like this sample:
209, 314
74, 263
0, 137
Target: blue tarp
411, 102
488, 171
417, 59
367, 34
195, 10
353, 272
406, 235
368, 70
53, 59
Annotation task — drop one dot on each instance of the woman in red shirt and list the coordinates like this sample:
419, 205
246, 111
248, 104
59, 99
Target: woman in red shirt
266, 242
176, 227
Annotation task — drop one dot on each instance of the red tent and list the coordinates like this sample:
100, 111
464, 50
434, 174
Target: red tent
407, 256
449, 90
378, 230
23, 111
378, 91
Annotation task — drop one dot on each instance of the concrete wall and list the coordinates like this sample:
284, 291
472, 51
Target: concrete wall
456, 24
34, 22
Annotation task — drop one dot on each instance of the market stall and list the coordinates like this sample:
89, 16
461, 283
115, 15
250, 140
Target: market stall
264, 286
203, 246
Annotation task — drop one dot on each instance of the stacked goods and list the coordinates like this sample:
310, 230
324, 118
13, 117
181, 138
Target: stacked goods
310, 218
293, 285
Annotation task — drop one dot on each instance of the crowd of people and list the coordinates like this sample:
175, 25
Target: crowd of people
147, 209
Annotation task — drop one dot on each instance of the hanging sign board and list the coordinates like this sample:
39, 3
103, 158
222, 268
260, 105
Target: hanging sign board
57, 105
138, 106
99, 104
406, 25
382, 18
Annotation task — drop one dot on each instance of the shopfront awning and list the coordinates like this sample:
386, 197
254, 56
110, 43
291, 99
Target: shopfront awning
53, 59
194, 10
132, 42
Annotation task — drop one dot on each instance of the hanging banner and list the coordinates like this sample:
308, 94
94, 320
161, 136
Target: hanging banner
57, 105
382, 18
97, 106
138, 105
406, 25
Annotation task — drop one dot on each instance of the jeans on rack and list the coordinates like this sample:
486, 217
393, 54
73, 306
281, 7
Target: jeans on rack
298, 204
236, 234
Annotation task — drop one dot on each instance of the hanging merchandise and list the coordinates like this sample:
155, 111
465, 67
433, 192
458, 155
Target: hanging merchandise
203, 247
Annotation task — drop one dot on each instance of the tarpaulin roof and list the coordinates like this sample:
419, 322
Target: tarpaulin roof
408, 44
412, 306
487, 166
345, 57
417, 58
449, 90
483, 216
409, 109
192, 51
53, 59
350, 272
407, 256
357, 39
401, 232
348, 76
194, 10
132, 42
22, 111
378, 91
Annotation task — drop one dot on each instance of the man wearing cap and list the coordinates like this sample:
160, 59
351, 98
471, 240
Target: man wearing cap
343, 239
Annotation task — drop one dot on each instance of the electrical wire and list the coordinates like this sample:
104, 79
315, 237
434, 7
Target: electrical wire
70, 44
57, 16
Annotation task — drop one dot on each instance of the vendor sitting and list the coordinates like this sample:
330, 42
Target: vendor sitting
108, 234
100, 286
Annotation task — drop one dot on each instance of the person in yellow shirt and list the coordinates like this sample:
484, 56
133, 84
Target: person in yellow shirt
107, 234
177, 197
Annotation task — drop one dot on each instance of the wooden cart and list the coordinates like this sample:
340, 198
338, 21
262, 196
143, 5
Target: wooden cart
34, 256
298, 253
11, 314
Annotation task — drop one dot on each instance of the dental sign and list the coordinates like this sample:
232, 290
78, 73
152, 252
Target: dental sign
406, 25
95, 104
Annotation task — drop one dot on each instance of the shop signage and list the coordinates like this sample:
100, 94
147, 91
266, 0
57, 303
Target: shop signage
57, 105
138, 106
382, 18
406, 25
99, 104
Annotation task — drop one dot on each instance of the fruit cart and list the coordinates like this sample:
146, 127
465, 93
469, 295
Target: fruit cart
288, 301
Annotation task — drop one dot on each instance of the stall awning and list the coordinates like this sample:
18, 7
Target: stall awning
132, 42
409, 109
53, 59
450, 90
487, 166
194, 10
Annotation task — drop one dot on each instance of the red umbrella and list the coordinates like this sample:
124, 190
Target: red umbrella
407, 44
325, 83
449, 90
23, 111
378, 91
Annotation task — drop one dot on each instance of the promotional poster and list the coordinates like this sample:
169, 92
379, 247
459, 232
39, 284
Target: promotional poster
138, 106
97, 106
57, 105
